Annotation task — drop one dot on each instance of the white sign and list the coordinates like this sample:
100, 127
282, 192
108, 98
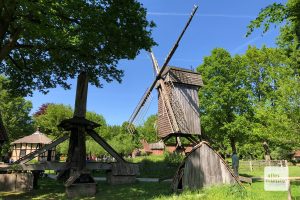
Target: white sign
276, 179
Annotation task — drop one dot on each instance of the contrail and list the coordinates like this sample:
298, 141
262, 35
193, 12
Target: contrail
200, 15
246, 44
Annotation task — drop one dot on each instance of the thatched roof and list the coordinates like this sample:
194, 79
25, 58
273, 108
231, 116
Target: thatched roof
3, 133
36, 137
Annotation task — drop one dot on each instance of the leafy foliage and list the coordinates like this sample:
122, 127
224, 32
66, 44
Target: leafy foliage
278, 14
224, 100
250, 99
148, 131
43, 43
15, 113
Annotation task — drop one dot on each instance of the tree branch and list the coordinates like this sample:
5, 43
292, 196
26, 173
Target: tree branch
15, 63
4, 51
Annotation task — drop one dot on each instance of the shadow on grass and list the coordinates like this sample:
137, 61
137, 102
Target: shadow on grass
160, 168
51, 189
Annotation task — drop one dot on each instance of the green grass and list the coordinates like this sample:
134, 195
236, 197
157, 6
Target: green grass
152, 166
51, 189
157, 167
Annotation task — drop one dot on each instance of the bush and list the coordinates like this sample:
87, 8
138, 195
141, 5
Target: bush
173, 158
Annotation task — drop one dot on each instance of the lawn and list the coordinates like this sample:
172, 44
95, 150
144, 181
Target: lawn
157, 167
51, 189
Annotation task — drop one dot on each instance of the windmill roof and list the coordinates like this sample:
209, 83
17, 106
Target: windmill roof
36, 137
168, 68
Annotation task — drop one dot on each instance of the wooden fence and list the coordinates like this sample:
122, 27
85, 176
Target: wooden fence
255, 164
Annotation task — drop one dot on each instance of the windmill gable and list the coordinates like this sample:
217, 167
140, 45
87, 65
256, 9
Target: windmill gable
183, 76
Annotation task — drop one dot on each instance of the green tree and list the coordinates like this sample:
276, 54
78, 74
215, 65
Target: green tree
16, 118
43, 43
275, 98
55, 113
276, 13
224, 104
148, 131
121, 140
15, 113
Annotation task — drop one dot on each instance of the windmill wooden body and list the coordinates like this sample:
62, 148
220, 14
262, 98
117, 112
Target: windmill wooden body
181, 87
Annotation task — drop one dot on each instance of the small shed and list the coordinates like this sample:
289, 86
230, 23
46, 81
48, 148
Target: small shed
30, 143
203, 167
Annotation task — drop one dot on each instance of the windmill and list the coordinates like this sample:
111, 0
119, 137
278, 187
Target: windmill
178, 104
178, 116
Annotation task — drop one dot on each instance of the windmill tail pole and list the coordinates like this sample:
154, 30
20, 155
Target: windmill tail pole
145, 97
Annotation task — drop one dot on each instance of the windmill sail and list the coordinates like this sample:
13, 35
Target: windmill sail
158, 77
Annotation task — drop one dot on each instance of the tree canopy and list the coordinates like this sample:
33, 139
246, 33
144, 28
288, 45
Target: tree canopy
15, 113
251, 98
277, 13
43, 43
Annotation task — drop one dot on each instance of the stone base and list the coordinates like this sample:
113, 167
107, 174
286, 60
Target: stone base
81, 190
119, 179
16, 182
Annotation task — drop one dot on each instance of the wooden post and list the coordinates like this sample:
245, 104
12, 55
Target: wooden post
289, 190
77, 149
250, 163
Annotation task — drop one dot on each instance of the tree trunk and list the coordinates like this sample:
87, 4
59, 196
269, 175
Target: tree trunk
233, 146
77, 150
3, 133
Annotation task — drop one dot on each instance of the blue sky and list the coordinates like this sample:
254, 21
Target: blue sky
218, 23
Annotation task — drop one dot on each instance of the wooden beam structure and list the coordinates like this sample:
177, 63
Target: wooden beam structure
57, 166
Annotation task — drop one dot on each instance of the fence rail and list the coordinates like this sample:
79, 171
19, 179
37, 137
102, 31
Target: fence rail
262, 163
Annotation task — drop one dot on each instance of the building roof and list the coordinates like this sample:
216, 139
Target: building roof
3, 133
297, 153
157, 146
36, 137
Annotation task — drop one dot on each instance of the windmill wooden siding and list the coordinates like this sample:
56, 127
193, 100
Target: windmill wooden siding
183, 85
163, 123
203, 167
